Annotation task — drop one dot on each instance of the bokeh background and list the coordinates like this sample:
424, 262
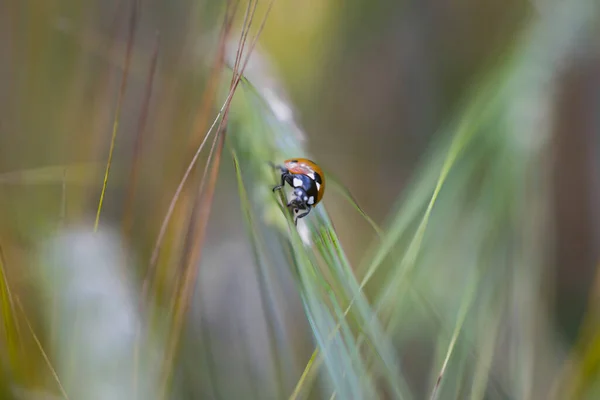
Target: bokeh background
374, 86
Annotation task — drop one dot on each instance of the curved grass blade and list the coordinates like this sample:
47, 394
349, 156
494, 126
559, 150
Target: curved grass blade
336, 183
119, 105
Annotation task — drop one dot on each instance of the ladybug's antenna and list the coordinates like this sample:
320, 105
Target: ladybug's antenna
276, 166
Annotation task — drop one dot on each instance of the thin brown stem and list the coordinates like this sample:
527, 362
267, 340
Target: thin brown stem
143, 119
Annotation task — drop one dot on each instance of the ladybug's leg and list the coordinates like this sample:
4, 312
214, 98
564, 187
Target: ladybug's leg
284, 177
305, 213
277, 166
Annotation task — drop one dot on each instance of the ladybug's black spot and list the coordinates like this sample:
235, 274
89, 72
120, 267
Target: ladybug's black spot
318, 178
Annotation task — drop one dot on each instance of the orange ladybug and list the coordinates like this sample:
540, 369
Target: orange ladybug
308, 181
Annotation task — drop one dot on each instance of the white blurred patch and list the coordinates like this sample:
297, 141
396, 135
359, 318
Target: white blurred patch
96, 317
304, 232
281, 110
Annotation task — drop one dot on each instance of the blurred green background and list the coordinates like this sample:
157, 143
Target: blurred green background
376, 87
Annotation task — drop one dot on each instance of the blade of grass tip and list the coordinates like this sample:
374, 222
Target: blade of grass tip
41, 348
141, 129
309, 371
119, 106
261, 269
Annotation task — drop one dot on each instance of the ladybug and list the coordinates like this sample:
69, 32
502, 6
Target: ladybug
308, 182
